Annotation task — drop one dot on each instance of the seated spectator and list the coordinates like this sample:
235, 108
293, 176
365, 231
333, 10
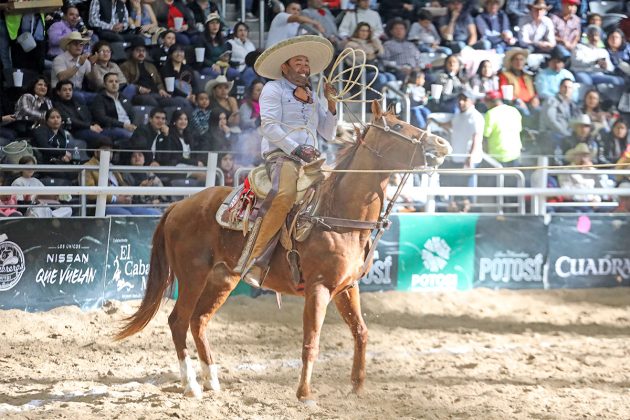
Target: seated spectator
228, 168
391, 9
219, 92
103, 65
494, 27
592, 107
418, 98
400, 56
363, 39
74, 65
548, 80
151, 137
485, 80
166, 40
70, 22
11, 210
538, 33
201, 116
426, 37
52, 140
143, 20
76, 117
582, 132
240, 46
525, 98
180, 144
143, 179
594, 19
220, 133
458, 28
110, 20
185, 84
217, 57
568, 26
167, 10
615, 142
619, 53
145, 86
286, 24
112, 111
44, 202
362, 13
318, 13
591, 64
517, 11
556, 115
580, 155
201, 10
502, 130
31, 108
117, 204
452, 83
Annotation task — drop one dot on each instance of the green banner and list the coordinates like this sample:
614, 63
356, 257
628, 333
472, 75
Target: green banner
436, 252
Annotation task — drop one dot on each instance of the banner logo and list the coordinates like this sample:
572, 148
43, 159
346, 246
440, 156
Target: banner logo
11, 264
511, 266
435, 254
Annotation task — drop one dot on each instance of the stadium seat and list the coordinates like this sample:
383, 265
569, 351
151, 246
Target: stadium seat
141, 115
118, 52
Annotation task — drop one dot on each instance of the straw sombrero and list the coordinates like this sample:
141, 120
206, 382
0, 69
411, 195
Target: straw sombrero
72, 36
579, 149
318, 50
510, 54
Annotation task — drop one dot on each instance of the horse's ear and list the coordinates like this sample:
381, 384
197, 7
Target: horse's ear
377, 112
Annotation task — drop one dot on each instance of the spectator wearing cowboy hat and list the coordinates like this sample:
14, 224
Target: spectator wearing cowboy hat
514, 74
548, 80
145, 85
568, 25
493, 26
73, 64
538, 33
582, 132
581, 155
219, 92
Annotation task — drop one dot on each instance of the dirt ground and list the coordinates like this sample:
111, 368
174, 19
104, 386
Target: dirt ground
562, 354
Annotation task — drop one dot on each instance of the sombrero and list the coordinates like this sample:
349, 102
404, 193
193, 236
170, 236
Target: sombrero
72, 36
579, 149
318, 50
510, 54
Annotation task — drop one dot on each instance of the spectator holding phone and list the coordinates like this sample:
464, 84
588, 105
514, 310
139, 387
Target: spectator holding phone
74, 64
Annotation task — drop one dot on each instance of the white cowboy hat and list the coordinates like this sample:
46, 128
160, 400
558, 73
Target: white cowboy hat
510, 54
582, 119
72, 36
578, 150
220, 80
317, 49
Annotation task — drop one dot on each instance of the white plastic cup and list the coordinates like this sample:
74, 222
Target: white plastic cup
170, 83
178, 22
18, 78
200, 54
436, 92
508, 92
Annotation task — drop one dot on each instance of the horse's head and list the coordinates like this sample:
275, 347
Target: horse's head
403, 144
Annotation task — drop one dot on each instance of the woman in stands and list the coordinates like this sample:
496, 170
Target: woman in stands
219, 92
185, 77
452, 82
241, 46
31, 108
52, 140
615, 142
599, 118
220, 133
180, 143
218, 50
250, 139
513, 73
166, 11
485, 80
363, 39
142, 18
619, 52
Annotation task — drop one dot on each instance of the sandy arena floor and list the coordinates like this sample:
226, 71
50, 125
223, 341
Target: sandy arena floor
481, 354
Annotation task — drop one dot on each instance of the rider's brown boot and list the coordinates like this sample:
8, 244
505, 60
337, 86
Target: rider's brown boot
253, 276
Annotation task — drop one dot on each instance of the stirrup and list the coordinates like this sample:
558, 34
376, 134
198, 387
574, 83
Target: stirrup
250, 276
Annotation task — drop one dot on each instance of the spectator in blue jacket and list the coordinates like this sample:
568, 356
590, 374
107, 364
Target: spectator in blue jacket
493, 26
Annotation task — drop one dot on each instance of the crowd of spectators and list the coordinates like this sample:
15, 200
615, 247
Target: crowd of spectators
159, 82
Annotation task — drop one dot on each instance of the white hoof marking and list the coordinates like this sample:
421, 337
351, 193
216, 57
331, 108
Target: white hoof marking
210, 377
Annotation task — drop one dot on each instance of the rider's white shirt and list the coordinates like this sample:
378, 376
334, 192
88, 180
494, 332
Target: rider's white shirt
281, 113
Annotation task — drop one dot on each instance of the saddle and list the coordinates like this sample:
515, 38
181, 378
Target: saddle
240, 208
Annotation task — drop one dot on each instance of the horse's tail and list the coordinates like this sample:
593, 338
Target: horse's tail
160, 277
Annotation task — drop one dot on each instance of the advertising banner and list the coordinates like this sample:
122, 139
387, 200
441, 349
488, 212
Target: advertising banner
589, 251
510, 252
383, 274
46, 263
128, 257
436, 252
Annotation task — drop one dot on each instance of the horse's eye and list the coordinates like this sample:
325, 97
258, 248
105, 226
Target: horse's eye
397, 127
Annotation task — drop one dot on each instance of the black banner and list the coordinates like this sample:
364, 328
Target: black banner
128, 257
45, 263
384, 272
589, 251
510, 252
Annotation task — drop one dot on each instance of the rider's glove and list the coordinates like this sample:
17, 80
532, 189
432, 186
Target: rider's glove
306, 153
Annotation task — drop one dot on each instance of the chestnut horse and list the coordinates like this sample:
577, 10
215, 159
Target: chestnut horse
188, 244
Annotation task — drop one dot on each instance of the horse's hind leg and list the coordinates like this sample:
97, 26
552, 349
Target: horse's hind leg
349, 306
219, 284
189, 291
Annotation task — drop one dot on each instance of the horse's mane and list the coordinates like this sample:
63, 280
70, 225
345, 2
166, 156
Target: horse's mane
344, 157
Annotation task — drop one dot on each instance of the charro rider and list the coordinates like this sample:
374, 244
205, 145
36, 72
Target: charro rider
292, 115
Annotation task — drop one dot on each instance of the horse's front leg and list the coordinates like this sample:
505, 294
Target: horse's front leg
349, 306
317, 298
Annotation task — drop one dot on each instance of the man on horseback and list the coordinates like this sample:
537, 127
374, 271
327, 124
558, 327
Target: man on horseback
292, 116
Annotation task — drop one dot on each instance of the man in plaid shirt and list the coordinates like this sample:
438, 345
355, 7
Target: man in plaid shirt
400, 55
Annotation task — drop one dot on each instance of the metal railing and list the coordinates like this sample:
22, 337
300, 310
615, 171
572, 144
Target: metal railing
400, 94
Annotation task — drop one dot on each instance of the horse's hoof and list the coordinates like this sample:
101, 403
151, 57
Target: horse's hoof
309, 403
212, 385
193, 390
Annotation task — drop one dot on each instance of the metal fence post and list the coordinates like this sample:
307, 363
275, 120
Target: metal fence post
539, 180
261, 28
363, 103
103, 181
211, 169
83, 196
243, 11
